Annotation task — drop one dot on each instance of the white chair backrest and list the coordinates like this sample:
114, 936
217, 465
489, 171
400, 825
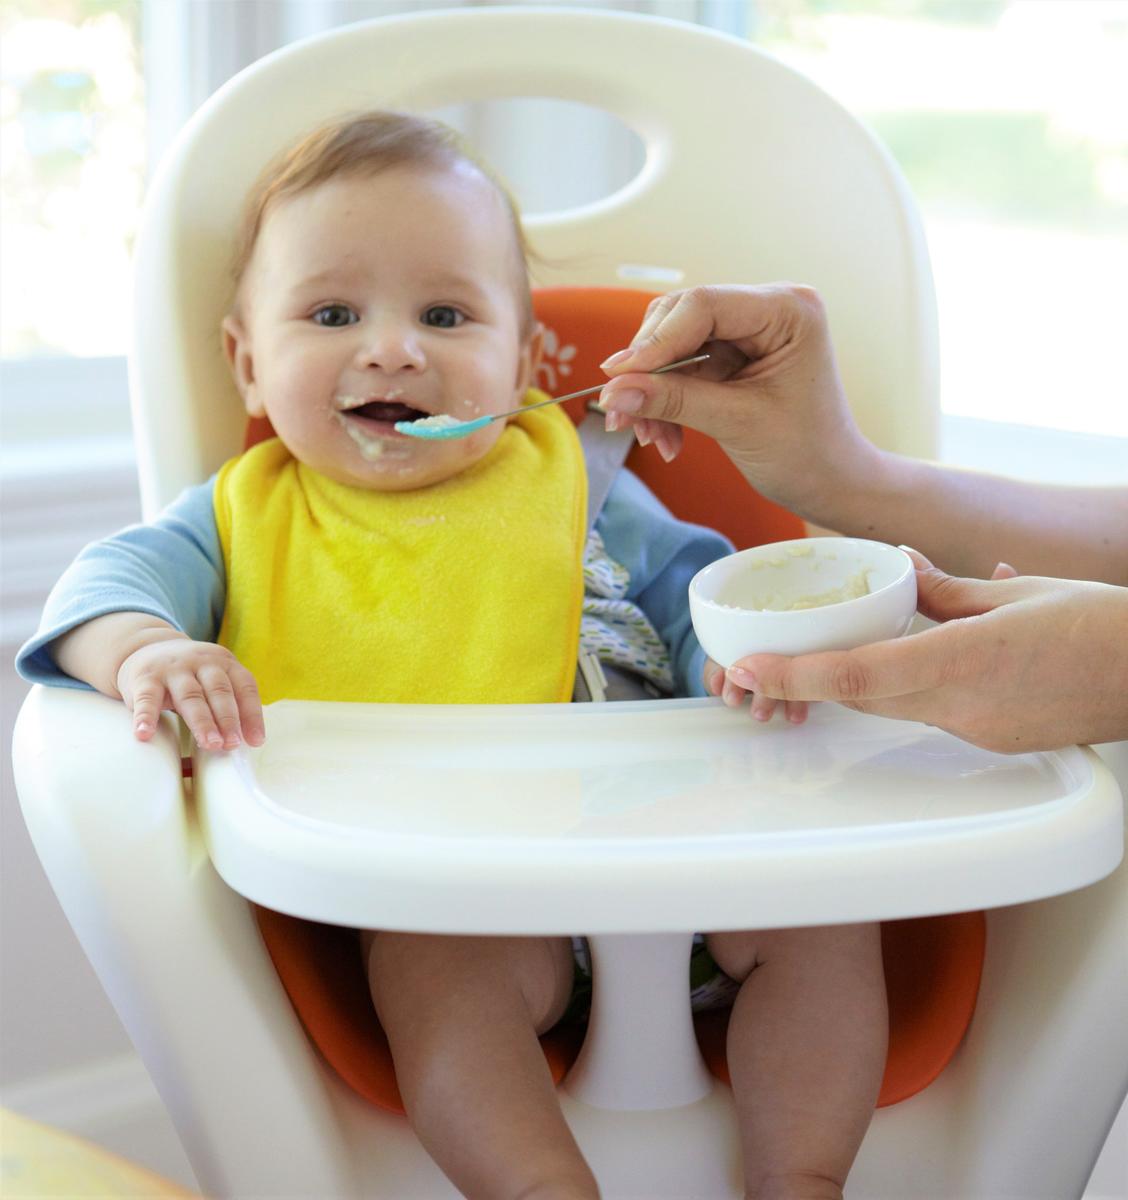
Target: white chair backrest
752, 174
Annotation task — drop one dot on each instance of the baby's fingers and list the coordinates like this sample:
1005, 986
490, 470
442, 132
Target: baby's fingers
234, 715
231, 696
190, 700
250, 705
147, 703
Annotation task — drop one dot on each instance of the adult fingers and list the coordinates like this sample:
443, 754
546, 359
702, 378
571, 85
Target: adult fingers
942, 597
679, 399
757, 320
880, 670
668, 440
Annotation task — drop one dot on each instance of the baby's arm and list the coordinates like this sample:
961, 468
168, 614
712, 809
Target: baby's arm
135, 617
151, 666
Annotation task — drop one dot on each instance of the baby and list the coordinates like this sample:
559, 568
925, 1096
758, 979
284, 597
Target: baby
381, 277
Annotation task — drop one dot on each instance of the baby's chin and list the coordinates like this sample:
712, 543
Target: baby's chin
423, 468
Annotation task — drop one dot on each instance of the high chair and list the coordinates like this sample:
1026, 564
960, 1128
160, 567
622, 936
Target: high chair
751, 174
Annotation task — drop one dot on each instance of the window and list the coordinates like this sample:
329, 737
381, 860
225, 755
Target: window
1009, 118
1010, 121
72, 108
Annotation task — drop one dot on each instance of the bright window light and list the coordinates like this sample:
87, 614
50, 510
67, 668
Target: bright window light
72, 120
1010, 121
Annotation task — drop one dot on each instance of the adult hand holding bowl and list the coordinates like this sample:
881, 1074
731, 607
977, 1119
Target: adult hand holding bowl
800, 597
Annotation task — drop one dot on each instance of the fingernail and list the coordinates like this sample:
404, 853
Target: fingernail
628, 400
914, 554
213, 742
666, 450
612, 422
743, 678
616, 358
143, 727
642, 436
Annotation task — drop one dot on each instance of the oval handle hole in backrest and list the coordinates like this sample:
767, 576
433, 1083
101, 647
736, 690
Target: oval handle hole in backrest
554, 155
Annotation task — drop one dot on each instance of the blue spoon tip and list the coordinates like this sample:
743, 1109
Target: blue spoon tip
420, 429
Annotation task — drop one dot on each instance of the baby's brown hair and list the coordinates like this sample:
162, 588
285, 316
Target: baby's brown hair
365, 144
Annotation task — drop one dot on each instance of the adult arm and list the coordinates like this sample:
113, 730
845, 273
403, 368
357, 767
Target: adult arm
771, 395
1015, 664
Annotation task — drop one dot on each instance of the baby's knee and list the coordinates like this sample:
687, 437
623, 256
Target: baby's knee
735, 952
534, 971
739, 952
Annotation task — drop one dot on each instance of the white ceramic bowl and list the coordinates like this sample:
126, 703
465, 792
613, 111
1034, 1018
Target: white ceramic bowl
797, 597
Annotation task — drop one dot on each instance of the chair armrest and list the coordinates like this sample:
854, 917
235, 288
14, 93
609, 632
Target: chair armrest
98, 803
176, 950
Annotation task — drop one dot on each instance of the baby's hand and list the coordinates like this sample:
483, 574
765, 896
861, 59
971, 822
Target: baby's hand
717, 683
206, 684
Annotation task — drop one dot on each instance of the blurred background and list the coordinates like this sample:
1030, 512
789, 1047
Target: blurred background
1009, 119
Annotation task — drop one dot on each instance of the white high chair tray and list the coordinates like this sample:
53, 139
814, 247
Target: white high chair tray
639, 817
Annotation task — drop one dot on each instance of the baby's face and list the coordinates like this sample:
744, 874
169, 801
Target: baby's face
370, 301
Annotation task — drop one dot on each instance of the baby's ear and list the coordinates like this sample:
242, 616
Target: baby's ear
237, 348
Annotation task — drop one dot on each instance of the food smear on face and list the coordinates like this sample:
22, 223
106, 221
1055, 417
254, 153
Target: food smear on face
371, 448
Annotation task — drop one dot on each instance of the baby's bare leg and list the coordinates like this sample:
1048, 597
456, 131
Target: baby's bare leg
462, 1015
806, 1050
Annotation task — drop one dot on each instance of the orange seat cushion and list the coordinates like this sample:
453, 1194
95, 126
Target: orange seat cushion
932, 965
932, 971
321, 971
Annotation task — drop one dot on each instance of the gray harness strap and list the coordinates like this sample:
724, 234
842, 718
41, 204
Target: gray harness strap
604, 454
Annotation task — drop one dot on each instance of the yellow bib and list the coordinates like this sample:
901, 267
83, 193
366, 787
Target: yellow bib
467, 592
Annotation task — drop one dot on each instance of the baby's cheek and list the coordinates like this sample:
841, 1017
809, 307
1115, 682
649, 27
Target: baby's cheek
479, 444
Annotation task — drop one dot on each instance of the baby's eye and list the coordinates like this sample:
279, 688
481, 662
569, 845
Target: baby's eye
443, 316
335, 315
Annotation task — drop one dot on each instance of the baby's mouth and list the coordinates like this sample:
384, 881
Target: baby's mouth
383, 412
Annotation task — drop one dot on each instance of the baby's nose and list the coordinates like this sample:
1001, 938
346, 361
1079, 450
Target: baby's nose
391, 348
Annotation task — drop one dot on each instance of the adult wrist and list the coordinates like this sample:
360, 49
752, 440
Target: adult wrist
851, 493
